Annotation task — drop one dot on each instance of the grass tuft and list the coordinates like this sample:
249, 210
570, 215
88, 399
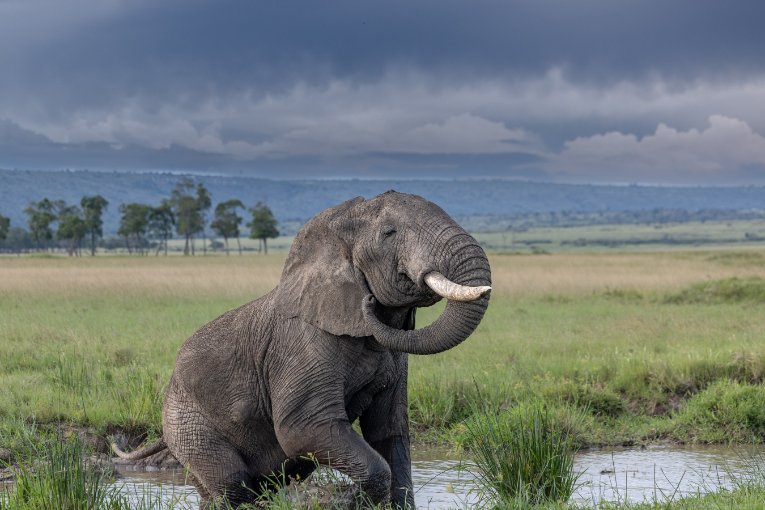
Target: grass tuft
60, 478
727, 411
522, 458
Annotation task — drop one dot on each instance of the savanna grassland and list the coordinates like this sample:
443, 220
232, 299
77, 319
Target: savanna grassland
621, 347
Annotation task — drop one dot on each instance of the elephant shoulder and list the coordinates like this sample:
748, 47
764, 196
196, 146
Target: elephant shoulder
238, 329
223, 356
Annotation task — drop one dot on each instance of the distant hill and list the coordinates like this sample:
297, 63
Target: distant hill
478, 203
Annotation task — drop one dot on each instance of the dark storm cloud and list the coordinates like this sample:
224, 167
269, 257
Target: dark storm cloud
212, 46
512, 88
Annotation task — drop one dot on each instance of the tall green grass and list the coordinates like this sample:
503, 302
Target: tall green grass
522, 458
60, 478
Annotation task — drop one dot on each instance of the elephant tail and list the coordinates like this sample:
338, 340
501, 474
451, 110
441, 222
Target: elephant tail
144, 452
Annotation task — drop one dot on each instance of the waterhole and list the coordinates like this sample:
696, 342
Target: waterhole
442, 480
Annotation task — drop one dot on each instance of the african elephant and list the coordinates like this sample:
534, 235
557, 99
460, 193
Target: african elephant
260, 387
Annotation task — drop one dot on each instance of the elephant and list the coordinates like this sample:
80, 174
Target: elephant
275, 385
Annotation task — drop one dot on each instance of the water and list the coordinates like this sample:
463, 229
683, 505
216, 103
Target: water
660, 473
656, 473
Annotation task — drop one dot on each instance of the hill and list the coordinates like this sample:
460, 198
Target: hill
480, 204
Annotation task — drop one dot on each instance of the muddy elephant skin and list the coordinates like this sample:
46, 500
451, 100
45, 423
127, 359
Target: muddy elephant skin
261, 387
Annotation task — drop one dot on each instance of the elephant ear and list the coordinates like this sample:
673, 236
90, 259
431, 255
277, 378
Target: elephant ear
319, 283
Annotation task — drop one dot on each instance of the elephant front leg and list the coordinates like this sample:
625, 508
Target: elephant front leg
338, 446
385, 425
395, 450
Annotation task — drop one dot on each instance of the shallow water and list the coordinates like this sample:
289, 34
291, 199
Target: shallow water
656, 473
661, 473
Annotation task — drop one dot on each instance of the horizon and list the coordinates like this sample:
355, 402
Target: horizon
201, 174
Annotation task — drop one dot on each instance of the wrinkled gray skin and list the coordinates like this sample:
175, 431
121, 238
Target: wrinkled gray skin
263, 385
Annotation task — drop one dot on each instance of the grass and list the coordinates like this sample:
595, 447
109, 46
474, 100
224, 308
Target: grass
623, 348
59, 477
624, 337
522, 457
633, 237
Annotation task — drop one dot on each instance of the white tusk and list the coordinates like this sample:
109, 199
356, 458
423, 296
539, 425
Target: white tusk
446, 288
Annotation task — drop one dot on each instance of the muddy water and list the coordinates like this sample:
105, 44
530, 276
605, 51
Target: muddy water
441, 480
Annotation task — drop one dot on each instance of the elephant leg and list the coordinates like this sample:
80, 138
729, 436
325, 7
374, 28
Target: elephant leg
217, 467
395, 450
223, 476
338, 446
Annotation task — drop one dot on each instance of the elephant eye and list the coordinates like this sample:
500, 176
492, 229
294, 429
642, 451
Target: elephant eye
388, 230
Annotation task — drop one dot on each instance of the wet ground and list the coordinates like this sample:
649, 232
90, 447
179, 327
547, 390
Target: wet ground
441, 480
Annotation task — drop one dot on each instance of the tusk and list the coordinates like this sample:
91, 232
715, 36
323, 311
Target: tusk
446, 288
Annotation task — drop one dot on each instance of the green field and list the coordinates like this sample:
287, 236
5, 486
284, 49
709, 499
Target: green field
621, 237
623, 347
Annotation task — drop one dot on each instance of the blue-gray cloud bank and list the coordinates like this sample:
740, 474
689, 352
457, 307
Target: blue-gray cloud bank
595, 90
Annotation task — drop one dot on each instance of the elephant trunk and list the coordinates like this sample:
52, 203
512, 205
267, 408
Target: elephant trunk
459, 319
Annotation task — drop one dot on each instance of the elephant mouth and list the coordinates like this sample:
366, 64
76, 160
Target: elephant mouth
414, 294
405, 285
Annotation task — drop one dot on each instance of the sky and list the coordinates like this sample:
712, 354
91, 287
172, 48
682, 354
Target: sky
591, 91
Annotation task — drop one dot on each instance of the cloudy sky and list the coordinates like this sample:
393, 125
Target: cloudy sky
617, 91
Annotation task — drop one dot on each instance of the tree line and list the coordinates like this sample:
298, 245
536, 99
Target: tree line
55, 224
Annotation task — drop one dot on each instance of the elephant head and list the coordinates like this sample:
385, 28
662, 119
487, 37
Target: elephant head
362, 267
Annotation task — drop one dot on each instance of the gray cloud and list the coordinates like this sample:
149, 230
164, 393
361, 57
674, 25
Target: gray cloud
396, 88
716, 154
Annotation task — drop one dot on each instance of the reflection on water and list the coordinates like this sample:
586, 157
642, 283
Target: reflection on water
660, 473
657, 473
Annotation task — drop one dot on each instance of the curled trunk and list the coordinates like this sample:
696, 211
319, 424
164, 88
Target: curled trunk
456, 323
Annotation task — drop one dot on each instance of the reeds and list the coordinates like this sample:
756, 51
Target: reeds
57, 476
522, 459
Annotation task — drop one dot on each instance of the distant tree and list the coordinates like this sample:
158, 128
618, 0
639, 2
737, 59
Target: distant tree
5, 225
216, 245
226, 221
161, 224
71, 228
92, 208
134, 225
263, 225
16, 240
204, 202
41, 214
190, 202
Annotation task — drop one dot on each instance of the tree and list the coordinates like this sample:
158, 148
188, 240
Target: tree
92, 208
17, 240
71, 228
161, 223
204, 202
263, 225
134, 225
41, 215
189, 203
226, 222
5, 226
